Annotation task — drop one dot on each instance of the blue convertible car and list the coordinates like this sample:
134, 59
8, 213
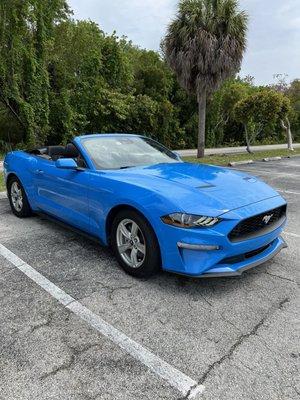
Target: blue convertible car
155, 211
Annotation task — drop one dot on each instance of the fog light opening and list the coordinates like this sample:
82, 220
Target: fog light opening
199, 247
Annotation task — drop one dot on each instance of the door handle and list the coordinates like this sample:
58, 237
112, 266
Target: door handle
39, 172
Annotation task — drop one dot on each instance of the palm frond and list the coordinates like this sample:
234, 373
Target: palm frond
205, 43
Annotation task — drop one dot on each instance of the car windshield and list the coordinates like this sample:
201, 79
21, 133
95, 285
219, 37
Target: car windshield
124, 152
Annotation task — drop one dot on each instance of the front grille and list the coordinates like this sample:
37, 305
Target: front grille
243, 257
258, 225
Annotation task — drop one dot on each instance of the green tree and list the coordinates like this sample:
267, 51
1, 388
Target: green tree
10, 130
221, 125
284, 113
90, 78
152, 77
257, 111
283, 87
293, 93
26, 28
204, 45
75, 62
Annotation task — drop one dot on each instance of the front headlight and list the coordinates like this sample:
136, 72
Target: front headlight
182, 220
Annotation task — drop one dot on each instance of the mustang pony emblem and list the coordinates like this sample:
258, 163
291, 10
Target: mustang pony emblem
267, 218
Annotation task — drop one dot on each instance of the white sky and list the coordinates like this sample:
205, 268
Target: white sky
273, 37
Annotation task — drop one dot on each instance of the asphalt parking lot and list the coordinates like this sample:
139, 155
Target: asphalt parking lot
236, 338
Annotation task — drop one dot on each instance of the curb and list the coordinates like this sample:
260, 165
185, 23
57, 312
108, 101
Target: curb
3, 195
233, 164
272, 159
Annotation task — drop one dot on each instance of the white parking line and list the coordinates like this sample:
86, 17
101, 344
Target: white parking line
292, 234
287, 191
177, 379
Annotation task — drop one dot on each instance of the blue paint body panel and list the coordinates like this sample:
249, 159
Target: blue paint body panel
85, 199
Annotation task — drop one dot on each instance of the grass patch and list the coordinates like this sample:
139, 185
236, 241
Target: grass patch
225, 159
2, 184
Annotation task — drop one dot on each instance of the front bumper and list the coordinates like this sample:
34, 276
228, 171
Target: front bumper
210, 253
237, 269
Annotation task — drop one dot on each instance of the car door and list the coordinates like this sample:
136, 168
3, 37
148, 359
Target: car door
63, 193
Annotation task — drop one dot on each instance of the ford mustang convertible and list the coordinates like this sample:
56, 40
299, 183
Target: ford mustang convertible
155, 211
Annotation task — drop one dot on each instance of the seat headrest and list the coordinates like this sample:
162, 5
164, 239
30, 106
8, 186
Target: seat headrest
71, 151
55, 150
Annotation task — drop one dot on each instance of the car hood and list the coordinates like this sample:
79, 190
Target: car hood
194, 187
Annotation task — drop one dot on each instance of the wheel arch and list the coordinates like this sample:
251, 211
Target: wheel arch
9, 176
121, 207
13, 174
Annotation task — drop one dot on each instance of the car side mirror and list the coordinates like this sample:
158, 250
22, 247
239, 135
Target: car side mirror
66, 163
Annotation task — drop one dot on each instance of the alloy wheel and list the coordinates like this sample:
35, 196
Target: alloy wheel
16, 196
131, 243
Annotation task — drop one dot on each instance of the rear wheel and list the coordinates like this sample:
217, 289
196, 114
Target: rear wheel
135, 244
18, 199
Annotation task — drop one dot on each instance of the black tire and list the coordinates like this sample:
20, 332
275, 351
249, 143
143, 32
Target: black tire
151, 263
24, 211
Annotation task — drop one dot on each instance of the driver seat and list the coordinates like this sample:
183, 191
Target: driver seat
55, 152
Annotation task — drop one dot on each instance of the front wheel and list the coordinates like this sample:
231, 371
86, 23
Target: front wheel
18, 199
135, 244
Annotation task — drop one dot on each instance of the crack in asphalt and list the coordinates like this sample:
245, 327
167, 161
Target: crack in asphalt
282, 277
238, 343
230, 322
112, 290
66, 365
205, 299
43, 324
87, 396
296, 390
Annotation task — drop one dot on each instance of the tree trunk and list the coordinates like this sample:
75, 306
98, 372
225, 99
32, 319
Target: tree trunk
288, 133
202, 120
12, 110
248, 140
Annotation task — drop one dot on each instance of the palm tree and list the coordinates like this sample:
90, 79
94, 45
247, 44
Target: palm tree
204, 45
